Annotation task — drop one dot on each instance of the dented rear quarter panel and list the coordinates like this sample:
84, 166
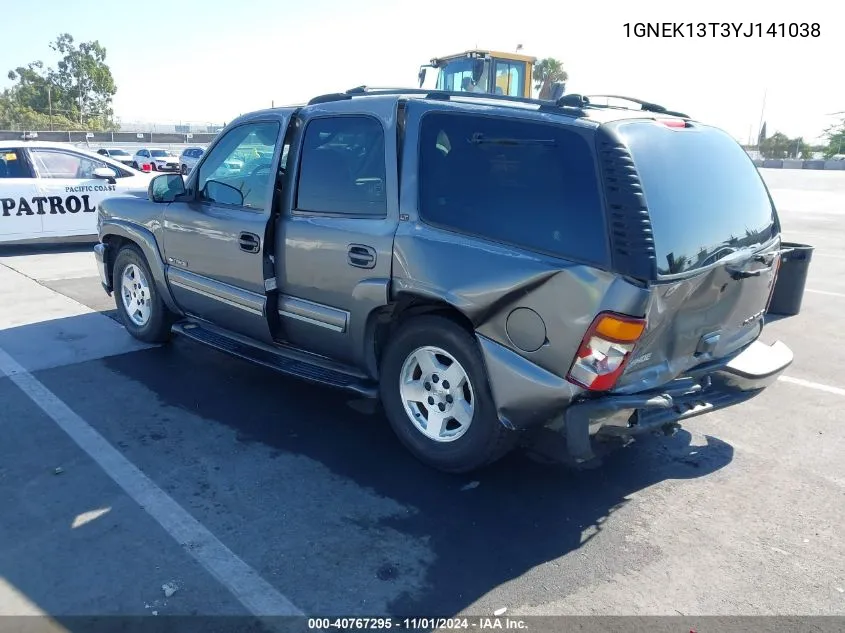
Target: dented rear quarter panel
530, 310
493, 285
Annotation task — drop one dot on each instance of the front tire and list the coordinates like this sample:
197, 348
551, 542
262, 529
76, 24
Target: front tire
136, 296
435, 393
184, 169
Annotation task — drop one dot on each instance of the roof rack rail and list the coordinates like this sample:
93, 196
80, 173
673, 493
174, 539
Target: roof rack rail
644, 105
567, 105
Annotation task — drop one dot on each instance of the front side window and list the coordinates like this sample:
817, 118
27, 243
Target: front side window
58, 164
237, 171
342, 169
519, 182
12, 166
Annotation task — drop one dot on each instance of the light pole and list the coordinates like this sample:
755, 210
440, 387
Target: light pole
50, 104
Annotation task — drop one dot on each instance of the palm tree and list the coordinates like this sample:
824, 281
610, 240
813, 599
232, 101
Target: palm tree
548, 71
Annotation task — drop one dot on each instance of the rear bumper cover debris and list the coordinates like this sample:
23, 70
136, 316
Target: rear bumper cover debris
703, 389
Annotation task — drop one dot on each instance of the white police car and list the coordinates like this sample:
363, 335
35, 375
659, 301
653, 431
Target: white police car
52, 190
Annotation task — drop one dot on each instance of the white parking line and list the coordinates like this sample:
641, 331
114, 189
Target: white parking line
825, 292
813, 385
252, 591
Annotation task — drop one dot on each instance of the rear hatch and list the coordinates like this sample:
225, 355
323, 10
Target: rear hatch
716, 240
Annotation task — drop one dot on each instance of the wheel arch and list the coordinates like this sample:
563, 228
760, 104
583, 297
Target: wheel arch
116, 235
384, 322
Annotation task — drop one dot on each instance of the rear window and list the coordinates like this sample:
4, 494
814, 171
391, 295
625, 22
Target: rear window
529, 184
704, 195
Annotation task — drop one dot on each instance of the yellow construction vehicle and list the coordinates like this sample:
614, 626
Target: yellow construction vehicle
489, 72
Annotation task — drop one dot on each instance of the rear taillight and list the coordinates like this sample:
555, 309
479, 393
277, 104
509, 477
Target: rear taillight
605, 351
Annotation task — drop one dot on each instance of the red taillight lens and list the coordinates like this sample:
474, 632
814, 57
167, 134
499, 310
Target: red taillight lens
605, 350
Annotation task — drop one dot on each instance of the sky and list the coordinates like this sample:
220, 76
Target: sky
211, 60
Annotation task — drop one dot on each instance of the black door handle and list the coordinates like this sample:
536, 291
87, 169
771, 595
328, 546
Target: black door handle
361, 256
249, 242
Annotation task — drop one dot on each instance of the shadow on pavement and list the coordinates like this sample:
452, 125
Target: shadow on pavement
521, 515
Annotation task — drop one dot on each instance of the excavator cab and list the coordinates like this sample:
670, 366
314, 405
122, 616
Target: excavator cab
479, 71
486, 72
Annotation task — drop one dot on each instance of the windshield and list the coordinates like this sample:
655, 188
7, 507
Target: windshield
456, 76
705, 197
160, 153
118, 152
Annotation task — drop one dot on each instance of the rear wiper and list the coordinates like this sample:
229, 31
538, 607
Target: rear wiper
644, 105
478, 138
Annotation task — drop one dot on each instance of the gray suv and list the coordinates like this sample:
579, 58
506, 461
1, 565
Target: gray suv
480, 265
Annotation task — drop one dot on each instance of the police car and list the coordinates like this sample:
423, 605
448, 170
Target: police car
52, 190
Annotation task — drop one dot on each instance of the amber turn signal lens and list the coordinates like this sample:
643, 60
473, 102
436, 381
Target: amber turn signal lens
616, 329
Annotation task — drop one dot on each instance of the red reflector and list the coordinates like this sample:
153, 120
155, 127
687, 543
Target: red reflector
672, 123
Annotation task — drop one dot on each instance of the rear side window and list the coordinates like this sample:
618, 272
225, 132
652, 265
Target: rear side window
529, 184
704, 195
342, 170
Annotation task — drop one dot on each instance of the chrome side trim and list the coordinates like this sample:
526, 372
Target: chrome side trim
305, 319
235, 297
313, 313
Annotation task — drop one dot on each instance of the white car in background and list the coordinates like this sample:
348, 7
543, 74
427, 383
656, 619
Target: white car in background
157, 158
189, 158
116, 153
50, 191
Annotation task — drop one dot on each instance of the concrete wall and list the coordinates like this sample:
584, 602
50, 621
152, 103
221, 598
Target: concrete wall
115, 138
791, 163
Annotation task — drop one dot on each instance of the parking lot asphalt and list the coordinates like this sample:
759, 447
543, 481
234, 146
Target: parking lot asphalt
176, 480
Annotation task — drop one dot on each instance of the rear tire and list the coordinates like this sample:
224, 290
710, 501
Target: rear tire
423, 355
136, 296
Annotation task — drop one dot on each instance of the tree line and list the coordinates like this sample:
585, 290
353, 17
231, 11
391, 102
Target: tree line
779, 145
76, 94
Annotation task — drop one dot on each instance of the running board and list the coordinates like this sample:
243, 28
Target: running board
283, 361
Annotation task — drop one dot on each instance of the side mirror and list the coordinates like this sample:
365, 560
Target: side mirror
421, 76
166, 187
223, 193
106, 173
557, 91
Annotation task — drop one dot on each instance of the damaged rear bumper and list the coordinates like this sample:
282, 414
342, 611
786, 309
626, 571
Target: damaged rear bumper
706, 388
